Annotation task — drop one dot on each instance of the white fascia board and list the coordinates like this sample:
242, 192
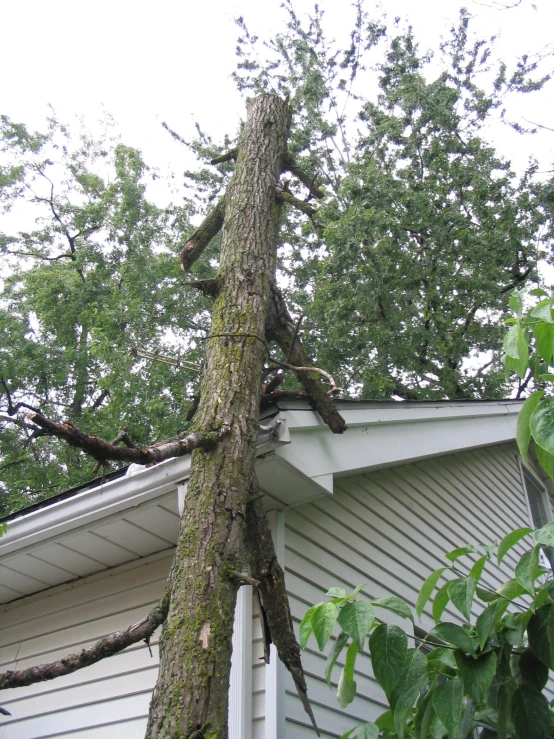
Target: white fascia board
385, 439
401, 412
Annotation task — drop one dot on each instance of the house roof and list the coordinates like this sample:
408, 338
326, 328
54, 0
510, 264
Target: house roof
92, 528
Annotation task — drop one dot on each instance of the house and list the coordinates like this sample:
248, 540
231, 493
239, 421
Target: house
380, 505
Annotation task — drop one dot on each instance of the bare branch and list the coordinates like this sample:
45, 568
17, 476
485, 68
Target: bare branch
304, 177
301, 205
282, 329
231, 154
200, 239
103, 451
116, 642
272, 595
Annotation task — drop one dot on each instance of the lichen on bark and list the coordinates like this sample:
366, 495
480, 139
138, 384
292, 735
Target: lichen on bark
190, 697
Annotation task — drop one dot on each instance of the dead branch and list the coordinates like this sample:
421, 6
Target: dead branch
334, 389
103, 451
304, 177
121, 438
287, 197
200, 239
273, 384
116, 642
209, 288
231, 154
277, 395
281, 328
246, 579
272, 595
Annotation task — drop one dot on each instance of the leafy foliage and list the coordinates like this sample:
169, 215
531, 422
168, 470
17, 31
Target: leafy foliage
91, 283
408, 269
529, 353
488, 674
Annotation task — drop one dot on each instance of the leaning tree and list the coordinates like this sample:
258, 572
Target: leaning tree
224, 538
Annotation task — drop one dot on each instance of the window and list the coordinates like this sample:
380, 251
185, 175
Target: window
540, 510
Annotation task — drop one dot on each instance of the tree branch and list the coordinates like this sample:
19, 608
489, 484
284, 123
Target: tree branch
282, 329
304, 177
200, 239
272, 595
116, 642
231, 154
103, 451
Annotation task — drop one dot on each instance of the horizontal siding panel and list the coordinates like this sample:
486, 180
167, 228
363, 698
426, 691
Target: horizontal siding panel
390, 529
63, 597
75, 719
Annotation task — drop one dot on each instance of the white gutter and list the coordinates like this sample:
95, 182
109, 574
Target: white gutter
94, 504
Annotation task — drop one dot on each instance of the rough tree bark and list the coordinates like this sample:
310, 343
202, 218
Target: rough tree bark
190, 698
223, 530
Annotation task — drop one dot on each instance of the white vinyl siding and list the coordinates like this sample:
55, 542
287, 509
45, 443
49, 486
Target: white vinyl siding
108, 699
390, 529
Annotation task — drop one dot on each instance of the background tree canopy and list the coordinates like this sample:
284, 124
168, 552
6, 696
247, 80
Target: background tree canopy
404, 273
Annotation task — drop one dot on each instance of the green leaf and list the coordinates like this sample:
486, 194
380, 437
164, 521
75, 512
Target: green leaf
347, 686
338, 645
540, 632
487, 596
538, 291
545, 535
356, 619
541, 424
426, 590
388, 646
357, 589
511, 590
369, 731
523, 430
485, 622
477, 569
461, 594
530, 713
527, 568
305, 628
447, 702
336, 592
511, 341
511, 540
454, 634
414, 675
456, 553
516, 304
543, 311
349, 733
324, 619
395, 604
440, 602
546, 460
532, 671
476, 674
424, 718
544, 340
385, 721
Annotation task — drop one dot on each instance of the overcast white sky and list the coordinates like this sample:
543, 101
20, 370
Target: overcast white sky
171, 60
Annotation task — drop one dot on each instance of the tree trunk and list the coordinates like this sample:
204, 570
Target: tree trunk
190, 698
